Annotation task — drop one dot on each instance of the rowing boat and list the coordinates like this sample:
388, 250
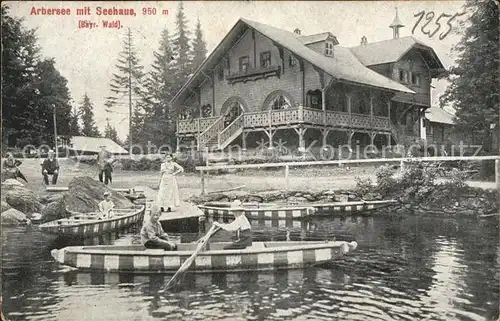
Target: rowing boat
85, 225
332, 208
261, 256
265, 213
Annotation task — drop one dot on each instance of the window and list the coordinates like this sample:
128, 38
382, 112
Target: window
313, 99
220, 72
401, 75
293, 60
265, 59
244, 61
280, 102
329, 48
415, 79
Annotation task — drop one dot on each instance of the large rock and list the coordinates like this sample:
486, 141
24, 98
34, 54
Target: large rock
5, 206
22, 199
11, 182
54, 211
85, 194
12, 217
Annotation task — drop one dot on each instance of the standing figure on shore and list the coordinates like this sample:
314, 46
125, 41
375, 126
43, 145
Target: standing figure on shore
11, 169
50, 166
168, 191
104, 164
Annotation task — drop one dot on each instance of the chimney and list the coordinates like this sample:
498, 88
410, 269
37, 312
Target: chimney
296, 31
363, 41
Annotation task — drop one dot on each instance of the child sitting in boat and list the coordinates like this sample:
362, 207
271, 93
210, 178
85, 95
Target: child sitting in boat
152, 234
241, 225
106, 207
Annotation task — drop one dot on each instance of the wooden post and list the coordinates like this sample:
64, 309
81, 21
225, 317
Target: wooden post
202, 182
497, 174
286, 177
178, 147
301, 113
349, 107
371, 109
198, 135
244, 141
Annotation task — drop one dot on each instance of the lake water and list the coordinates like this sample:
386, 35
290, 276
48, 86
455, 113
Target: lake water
404, 269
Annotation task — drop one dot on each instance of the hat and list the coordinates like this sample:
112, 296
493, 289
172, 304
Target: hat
106, 193
236, 206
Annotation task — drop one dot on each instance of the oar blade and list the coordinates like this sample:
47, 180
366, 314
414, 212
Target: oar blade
185, 266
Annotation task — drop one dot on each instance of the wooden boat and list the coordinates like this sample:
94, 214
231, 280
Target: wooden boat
358, 207
266, 213
261, 256
84, 225
319, 208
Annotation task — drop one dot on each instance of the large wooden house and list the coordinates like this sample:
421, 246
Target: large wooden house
266, 84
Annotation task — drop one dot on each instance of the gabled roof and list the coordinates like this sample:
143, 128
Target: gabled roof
392, 50
306, 40
93, 144
343, 66
439, 115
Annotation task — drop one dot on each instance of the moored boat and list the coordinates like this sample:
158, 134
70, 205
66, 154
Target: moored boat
85, 225
265, 213
261, 256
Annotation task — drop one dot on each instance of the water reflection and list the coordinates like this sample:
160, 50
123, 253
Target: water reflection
404, 269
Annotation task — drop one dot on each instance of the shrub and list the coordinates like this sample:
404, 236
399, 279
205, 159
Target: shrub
363, 185
385, 180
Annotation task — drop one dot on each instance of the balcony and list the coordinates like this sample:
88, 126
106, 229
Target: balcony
284, 118
253, 74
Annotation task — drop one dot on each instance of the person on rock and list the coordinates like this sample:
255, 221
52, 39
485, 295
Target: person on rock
152, 234
50, 166
11, 168
106, 207
168, 191
240, 225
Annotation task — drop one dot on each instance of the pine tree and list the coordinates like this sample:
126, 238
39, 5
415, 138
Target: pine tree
159, 124
74, 126
181, 48
89, 127
52, 96
473, 91
20, 55
110, 132
199, 49
127, 88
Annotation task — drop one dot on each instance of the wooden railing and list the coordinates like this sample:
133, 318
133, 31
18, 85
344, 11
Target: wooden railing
230, 130
286, 117
191, 125
211, 132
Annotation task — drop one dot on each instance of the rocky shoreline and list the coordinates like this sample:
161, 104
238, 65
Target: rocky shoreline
20, 205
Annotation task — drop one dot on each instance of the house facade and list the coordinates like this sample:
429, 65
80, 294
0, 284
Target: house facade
267, 84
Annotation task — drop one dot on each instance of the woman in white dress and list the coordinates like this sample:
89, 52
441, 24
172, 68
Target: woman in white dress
168, 192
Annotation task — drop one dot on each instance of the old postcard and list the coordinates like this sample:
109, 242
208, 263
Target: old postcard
250, 160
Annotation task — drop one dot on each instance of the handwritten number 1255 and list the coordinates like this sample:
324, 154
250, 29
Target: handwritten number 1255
428, 17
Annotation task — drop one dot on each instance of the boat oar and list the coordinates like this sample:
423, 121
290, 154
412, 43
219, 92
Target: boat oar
178, 275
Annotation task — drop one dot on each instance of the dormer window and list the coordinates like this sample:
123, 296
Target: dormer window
328, 48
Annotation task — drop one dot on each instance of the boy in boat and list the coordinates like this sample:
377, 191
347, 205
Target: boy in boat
152, 234
106, 207
240, 225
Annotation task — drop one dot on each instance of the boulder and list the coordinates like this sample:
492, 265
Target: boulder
22, 199
13, 217
236, 195
5, 206
85, 194
11, 182
51, 198
54, 211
